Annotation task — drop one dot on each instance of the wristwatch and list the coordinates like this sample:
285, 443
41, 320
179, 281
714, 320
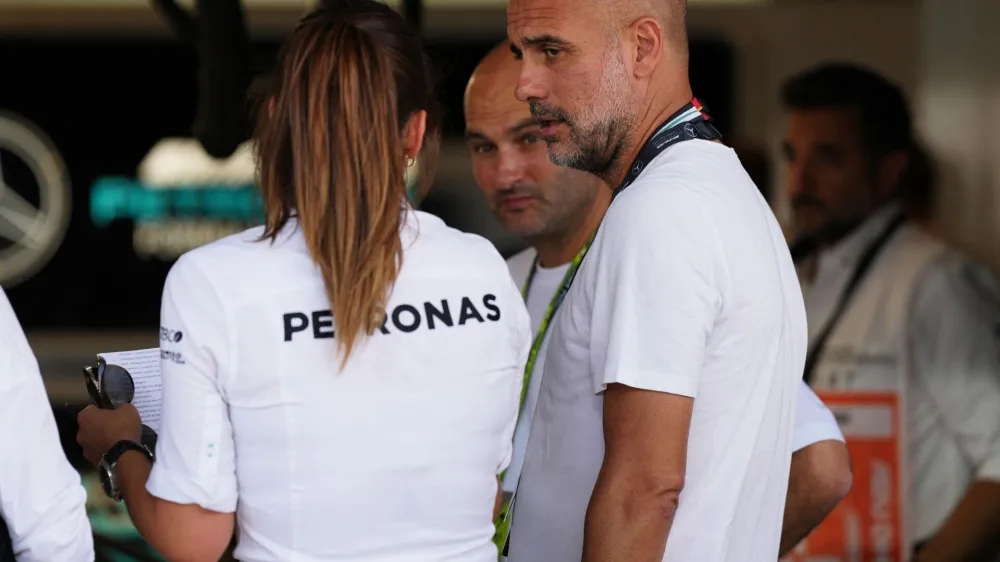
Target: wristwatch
106, 468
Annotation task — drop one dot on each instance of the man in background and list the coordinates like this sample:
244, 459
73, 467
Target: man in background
557, 210
42, 501
895, 316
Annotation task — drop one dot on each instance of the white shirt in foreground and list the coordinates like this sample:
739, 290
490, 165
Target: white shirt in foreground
393, 459
688, 289
42, 499
814, 422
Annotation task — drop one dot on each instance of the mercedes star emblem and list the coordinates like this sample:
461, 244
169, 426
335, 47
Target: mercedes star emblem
35, 199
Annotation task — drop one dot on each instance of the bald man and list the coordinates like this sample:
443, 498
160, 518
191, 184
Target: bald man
664, 423
556, 210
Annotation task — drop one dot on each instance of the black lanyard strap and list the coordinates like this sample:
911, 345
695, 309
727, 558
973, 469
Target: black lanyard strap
691, 122
860, 271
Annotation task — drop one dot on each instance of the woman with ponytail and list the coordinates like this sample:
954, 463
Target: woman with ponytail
345, 378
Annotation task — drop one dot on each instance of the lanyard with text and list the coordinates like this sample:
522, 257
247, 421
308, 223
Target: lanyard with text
691, 122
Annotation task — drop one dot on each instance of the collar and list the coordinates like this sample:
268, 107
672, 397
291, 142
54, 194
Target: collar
845, 254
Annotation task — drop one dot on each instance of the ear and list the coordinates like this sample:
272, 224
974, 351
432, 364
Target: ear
413, 134
647, 35
891, 170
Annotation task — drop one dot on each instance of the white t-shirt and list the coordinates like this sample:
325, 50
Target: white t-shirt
814, 422
688, 289
395, 458
41, 497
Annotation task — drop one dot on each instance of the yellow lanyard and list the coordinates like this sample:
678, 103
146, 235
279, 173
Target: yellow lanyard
503, 520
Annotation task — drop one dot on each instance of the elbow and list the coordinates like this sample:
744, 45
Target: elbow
668, 501
661, 497
840, 478
832, 476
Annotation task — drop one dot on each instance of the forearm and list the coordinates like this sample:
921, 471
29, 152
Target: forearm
970, 532
802, 514
626, 524
819, 477
163, 535
132, 473
179, 532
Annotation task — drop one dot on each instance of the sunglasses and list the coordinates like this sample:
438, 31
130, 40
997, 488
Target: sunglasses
110, 386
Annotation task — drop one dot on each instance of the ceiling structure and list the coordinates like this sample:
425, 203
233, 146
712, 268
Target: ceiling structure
265, 17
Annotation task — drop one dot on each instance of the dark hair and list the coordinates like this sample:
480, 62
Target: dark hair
918, 186
330, 150
884, 119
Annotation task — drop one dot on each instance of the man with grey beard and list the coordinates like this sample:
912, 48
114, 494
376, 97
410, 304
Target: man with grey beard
663, 426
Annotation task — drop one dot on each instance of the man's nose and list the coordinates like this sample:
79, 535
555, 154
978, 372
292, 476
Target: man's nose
529, 86
510, 169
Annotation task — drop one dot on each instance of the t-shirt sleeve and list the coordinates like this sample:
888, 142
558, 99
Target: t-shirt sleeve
195, 453
814, 422
655, 292
521, 339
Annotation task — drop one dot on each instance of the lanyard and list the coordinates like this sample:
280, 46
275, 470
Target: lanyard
503, 520
860, 271
550, 312
689, 123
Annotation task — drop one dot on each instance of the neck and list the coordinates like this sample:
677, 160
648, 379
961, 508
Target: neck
663, 105
560, 248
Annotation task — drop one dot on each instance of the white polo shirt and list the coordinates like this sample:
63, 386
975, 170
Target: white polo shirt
814, 422
688, 289
952, 387
395, 458
42, 499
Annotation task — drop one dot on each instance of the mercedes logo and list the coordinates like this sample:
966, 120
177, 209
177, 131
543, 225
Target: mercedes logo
35, 199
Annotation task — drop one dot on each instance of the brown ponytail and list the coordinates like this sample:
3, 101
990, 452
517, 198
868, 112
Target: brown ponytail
330, 152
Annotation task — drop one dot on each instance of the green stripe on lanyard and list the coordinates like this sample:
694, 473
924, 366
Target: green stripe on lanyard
502, 521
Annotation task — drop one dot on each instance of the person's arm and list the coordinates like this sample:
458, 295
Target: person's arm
820, 474
956, 344
656, 295
639, 486
178, 532
970, 532
41, 497
183, 504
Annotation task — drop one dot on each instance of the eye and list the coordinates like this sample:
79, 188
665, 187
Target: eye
551, 52
531, 138
482, 149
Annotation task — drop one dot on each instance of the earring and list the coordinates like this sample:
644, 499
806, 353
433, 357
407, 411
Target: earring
410, 161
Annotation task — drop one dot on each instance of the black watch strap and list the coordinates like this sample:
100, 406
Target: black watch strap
122, 447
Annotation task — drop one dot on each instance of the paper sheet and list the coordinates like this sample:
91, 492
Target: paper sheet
144, 366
